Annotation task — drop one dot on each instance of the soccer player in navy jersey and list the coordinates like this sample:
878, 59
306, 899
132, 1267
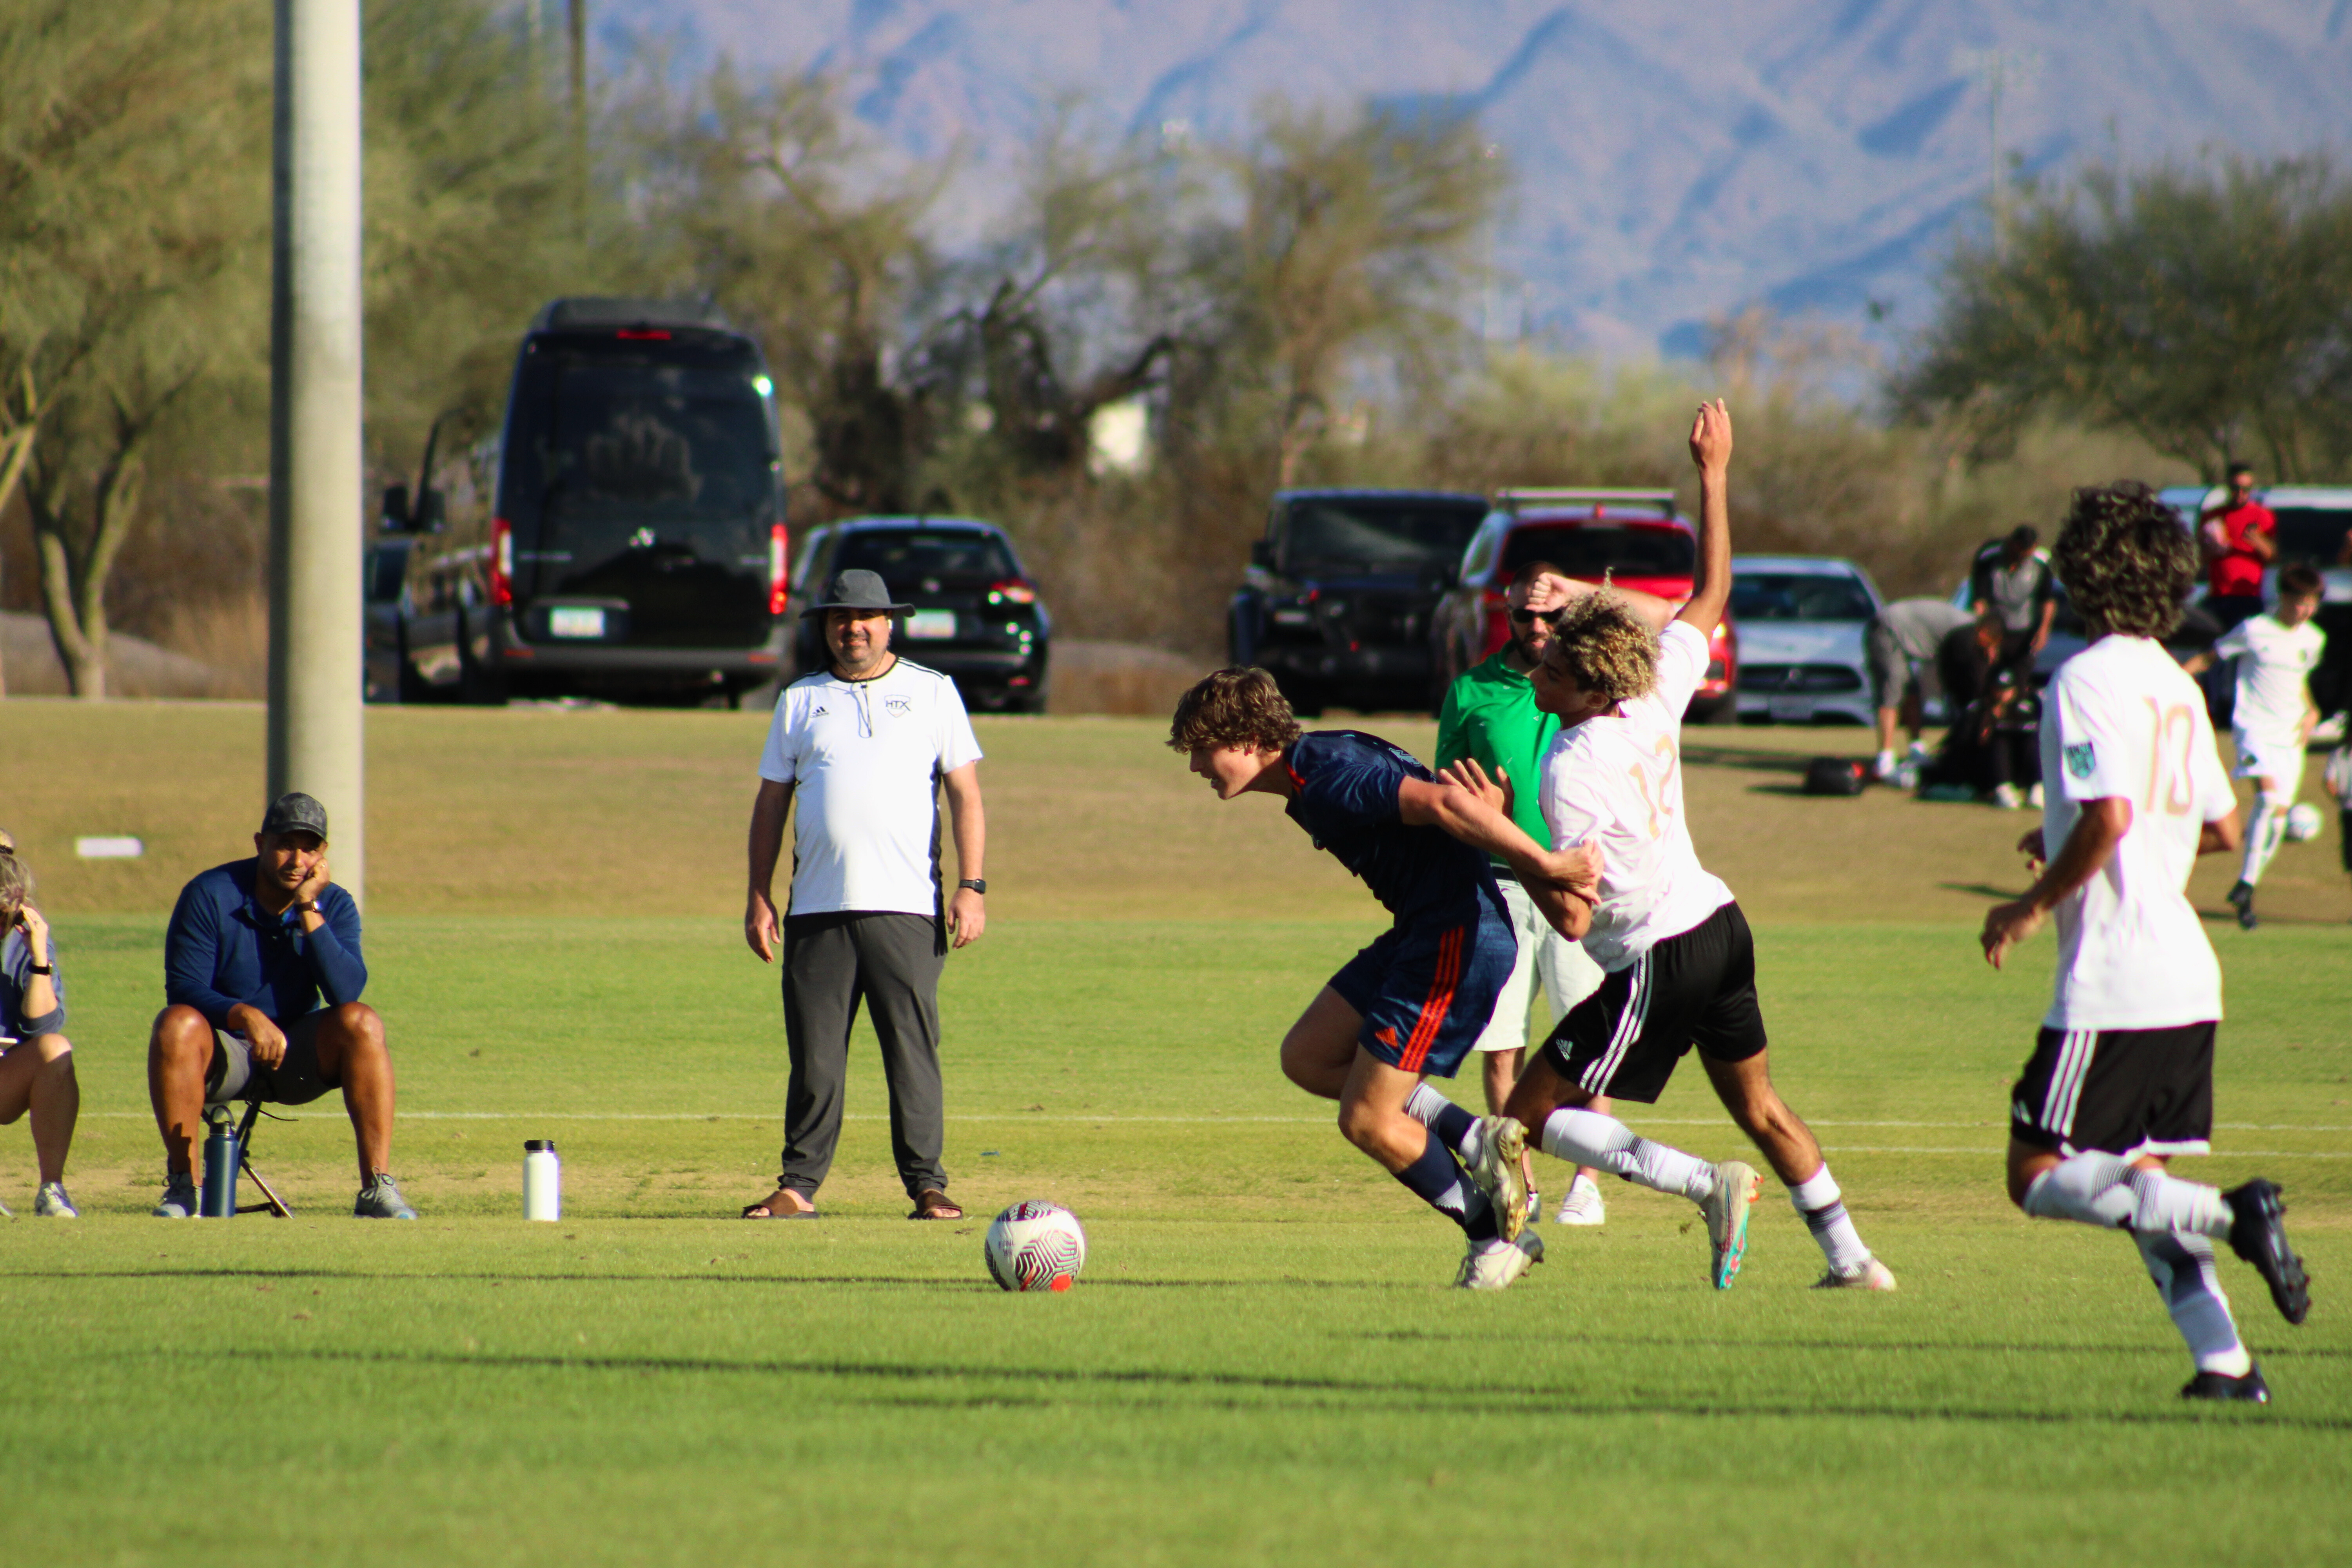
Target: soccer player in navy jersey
1415, 1001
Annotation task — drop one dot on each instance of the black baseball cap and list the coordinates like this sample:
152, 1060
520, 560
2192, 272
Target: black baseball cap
295, 812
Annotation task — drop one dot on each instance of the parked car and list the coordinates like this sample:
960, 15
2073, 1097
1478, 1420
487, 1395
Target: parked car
634, 545
1337, 601
1633, 537
1804, 621
978, 617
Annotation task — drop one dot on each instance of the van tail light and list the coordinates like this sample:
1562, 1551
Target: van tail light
501, 561
1013, 593
778, 549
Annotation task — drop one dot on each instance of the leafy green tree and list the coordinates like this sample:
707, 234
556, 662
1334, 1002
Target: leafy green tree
2209, 310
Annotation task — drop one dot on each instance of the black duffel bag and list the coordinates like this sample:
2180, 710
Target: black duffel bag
1835, 775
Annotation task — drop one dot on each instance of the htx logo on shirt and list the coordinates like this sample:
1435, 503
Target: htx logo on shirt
899, 706
2080, 761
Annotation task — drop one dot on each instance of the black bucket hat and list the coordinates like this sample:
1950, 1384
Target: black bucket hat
857, 591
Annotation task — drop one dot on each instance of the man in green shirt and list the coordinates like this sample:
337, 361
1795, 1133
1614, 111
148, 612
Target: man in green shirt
1490, 714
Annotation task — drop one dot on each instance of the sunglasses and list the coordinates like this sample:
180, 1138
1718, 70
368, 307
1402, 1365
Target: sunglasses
1524, 618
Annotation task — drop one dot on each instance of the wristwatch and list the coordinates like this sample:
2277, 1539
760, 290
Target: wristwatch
310, 909
977, 884
42, 968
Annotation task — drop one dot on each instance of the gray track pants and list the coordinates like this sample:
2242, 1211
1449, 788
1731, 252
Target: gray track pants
892, 962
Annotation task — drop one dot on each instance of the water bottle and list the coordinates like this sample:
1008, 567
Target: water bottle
542, 1179
218, 1200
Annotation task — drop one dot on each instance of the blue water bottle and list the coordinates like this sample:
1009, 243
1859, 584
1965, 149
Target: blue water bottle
218, 1200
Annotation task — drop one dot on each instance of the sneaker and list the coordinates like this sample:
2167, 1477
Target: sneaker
2033, 797
179, 1197
2217, 1386
2258, 1234
1725, 1209
51, 1202
1868, 1275
2007, 797
1501, 1141
1493, 1265
1583, 1205
381, 1199
1883, 767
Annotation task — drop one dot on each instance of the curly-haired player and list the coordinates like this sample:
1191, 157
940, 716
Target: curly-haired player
1415, 1001
2121, 1077
1679, 965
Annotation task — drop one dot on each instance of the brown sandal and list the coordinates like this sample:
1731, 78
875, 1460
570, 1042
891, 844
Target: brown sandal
933, 1203
768, 1208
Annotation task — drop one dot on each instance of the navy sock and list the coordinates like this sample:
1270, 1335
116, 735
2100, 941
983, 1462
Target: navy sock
1437, 1180
1452, 1125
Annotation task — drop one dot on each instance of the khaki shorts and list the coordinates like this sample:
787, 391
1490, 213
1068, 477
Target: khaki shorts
1562, 967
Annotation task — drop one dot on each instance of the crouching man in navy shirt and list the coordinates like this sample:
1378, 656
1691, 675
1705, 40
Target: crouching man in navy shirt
263, 975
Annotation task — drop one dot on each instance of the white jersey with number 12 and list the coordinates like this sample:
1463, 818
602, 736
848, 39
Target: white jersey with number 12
2123, 721
1619, 780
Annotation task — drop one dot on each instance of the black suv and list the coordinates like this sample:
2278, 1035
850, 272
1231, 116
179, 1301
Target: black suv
976, 618
635, 543
1339, 594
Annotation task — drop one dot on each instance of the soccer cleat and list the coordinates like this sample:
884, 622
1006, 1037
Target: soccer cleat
51, 1203
1868, 1275
179, 1197
2240, 897
1494, 1264
2258, 1234
1583, 1205
1725, 1209
2220, 1386
1501, 1141
381, 1199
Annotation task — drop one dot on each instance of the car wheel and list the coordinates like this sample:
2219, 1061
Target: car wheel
1723, 709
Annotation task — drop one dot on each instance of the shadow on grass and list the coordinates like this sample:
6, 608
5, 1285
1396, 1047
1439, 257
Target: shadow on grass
1387, 1394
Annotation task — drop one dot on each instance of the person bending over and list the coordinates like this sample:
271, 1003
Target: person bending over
1412, 1004
2272, 718
263, 975
1678, 960
37, 1069
2121, 1077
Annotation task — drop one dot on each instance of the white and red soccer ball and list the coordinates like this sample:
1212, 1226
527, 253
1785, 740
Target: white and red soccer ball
1035, 1246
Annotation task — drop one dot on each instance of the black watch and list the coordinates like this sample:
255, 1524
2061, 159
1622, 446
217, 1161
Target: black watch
42, 968
977, 884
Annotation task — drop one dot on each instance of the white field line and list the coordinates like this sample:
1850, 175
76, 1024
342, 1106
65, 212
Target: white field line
1111, 1116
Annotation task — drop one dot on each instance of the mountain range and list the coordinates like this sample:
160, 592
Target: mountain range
1673, 164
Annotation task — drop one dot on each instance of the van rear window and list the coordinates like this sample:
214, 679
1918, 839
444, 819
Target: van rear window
1588, 548
906, 559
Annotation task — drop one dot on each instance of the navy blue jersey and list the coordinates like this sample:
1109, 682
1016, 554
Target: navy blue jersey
1346, 800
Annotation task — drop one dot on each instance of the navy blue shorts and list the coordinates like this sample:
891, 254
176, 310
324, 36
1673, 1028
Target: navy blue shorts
1427, 992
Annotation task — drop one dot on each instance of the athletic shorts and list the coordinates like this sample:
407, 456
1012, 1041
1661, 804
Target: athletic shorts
1696, 989
1426, 992
2277, 760
2120, 1091
295, 1080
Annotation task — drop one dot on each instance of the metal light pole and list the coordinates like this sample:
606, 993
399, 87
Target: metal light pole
317, 742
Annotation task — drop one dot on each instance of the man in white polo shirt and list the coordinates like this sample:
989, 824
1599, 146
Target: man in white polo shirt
865, 744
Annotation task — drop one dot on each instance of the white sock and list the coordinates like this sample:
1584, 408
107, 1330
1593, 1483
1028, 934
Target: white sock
2183, 1267
1589, 1137
1820, 1206
2095, 1189
2263, 836
1455, 1127
2162, 1203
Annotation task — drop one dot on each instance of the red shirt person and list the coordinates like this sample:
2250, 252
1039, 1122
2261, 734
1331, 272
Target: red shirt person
2239, 539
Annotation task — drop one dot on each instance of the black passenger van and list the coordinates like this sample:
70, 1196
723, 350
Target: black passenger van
634, 545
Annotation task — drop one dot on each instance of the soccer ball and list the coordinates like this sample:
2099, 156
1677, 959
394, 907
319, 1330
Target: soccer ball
2301, 821
1035, 1246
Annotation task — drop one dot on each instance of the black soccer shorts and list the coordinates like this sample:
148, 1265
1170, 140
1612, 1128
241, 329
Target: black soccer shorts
1698, 988
2119, 1091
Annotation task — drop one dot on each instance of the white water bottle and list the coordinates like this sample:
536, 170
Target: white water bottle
542, 1180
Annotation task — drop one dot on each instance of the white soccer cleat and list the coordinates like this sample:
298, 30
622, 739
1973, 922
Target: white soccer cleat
1494, 1264
1501, 1141
1583, 1205
1870, 1275
1725, 1209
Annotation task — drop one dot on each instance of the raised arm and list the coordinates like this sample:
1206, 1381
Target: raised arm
1710, 450
1550, 593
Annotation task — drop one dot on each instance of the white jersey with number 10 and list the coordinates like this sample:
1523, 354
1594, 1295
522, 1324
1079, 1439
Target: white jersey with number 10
2122, 719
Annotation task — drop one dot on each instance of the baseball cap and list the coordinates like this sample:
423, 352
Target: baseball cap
295, 812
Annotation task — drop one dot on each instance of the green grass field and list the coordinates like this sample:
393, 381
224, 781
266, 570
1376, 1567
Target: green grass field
1263, 1362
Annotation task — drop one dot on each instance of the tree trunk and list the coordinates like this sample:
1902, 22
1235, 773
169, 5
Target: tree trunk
73, 592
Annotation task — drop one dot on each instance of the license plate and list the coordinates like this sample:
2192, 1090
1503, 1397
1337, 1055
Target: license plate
575, 621
1793, 709
932, 623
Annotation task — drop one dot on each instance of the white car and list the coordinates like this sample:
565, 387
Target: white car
1803, 622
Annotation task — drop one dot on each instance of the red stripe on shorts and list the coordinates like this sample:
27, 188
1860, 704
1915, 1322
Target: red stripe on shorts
1440, 999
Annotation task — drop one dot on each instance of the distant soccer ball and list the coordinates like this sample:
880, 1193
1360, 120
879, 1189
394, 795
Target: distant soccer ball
1035, 1246
2301, 821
